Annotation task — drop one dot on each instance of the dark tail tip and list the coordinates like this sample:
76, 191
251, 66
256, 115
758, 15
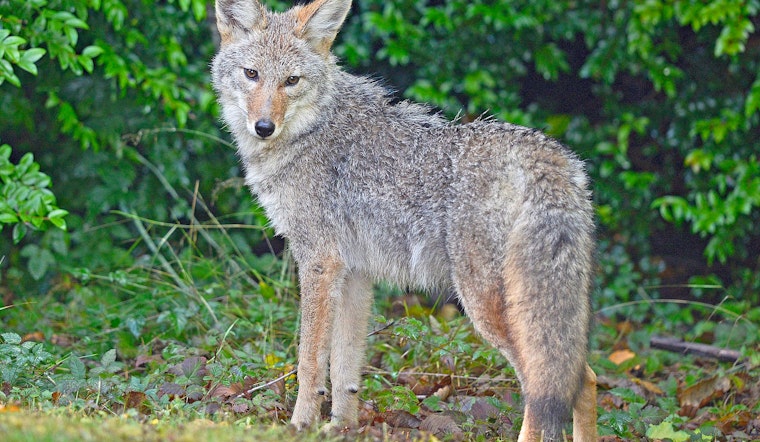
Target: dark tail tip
551, 414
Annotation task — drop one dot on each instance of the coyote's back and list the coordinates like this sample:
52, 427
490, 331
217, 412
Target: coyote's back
365, 189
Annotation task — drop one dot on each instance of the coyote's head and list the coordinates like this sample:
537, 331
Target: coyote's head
273, 71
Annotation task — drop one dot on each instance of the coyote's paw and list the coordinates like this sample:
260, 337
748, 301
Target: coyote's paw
300, 425
336, 426
306, 412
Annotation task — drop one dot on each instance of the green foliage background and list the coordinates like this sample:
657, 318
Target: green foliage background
108, 117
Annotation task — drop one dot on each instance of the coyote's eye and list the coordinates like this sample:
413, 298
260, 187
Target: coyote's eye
292, 80
251, 74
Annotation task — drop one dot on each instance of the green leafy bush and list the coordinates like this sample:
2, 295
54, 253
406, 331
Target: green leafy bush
26, 196
128, 83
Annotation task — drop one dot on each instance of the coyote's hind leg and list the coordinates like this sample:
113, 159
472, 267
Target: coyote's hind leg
584, 411
540, 323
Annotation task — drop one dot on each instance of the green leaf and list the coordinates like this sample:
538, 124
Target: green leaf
665, 430
108, 358
72, 35
550, 61
32, 55
56, 218
13, 40
78, 370
29, 67
6, 73
92, 51
86, 63
11, 338
19, 231
39, 260
58, 213
8, 218
199, 9
752, 103
77, 22
733, 38
25, 164
29, 58
398, 398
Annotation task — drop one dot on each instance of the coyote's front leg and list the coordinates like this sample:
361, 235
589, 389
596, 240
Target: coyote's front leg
321, 281
349, 340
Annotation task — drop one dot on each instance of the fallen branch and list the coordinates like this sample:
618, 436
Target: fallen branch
679, 346
294, 371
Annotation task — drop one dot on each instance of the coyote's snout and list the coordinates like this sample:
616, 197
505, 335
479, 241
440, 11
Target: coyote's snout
364, 188
267, 102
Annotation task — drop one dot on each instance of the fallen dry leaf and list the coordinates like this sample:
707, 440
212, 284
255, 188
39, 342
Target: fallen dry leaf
702, 393
9, 408
408, 378
134, 399
619, 356
441, 424
61, 340
443, 393
641, 387
34, 336
278, 387
625, 327
734, 421
478, 407
225, 392
144, 359
401, 419
367, 413
449, 362
649, 386
240, 407
192, 367
172, 389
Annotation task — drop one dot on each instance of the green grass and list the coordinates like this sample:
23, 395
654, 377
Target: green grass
63, 426
195, 341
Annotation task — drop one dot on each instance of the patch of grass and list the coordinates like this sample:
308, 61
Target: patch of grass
64, 426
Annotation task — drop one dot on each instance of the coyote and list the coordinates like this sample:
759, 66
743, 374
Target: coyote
365, 188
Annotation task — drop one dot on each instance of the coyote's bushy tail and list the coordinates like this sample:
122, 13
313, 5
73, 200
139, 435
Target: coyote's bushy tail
549, 260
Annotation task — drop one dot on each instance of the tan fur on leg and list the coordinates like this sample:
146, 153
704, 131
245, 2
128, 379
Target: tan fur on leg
320, 280
529, 432
584, 412
349, 341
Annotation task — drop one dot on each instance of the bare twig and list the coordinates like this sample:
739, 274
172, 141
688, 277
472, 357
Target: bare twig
679, 346
385, 326
432, 375
267, 384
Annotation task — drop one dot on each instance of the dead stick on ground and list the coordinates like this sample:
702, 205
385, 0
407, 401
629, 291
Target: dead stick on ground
292, 372
679, 346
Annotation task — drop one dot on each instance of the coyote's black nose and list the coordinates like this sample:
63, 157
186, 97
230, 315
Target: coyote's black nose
264, 128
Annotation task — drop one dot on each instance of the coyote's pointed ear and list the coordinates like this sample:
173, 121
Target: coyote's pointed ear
319, 22
234, 18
